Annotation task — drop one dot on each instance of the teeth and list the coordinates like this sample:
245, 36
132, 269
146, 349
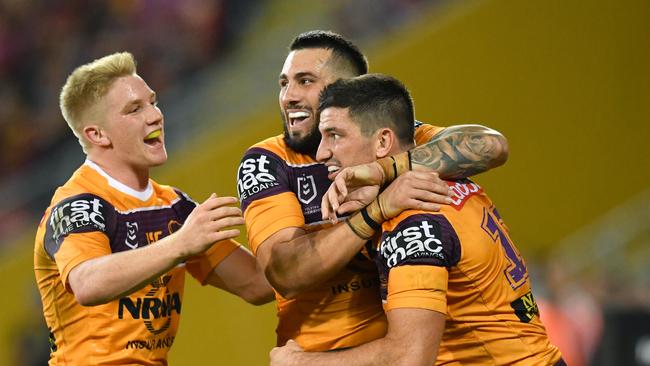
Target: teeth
153, 135
332, 168
300, 114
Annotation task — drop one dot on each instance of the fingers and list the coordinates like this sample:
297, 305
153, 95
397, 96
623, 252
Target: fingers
427, 196
429, 181
221, 212
351, 206
224, 235
215, 201
331, 202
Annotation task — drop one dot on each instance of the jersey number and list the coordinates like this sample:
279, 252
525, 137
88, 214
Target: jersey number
516, 272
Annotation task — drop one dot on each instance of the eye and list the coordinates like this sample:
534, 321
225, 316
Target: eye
283, 83
306, 81
135, 108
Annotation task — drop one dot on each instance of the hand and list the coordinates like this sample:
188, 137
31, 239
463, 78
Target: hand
287, 355
370, 174
414, 190
349, 180
209, 223
334, 202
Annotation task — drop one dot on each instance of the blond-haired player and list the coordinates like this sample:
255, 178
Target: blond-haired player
113, 247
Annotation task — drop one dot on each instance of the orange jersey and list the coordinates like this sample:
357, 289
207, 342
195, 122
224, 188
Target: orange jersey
279, 189
93, 215
462, 263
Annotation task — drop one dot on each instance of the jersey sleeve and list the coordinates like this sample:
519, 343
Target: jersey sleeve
267, 200
425, 132
77, 229
202, 265
413, 260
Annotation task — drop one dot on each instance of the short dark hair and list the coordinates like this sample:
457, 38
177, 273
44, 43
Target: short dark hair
341, 48
374, 101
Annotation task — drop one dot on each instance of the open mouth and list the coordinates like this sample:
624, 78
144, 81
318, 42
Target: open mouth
154, 138
332, 171
297, 117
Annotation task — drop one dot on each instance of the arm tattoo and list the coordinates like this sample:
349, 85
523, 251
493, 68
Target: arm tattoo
462, 151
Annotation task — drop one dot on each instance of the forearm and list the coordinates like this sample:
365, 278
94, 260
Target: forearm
462, 151
310, 259
103, 279
412, 339
380, 352
240, 275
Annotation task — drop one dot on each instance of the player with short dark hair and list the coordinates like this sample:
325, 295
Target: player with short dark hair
454, 287
113, 247
327, 290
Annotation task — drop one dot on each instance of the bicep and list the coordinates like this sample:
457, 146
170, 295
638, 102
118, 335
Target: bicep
76, 252
418, 333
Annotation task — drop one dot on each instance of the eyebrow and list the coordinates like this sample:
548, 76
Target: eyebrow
330, 129
152, 96
298, 75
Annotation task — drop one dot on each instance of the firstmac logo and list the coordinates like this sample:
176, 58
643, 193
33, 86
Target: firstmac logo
415, 240
255, 175
76, 214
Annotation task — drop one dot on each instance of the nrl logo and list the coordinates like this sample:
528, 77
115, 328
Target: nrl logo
131, 240
306, 189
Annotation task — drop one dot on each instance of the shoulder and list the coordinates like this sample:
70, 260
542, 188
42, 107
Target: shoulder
419, 237
274, 145
425, 132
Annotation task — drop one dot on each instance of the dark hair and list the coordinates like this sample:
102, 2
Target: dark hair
374, 101
341, 48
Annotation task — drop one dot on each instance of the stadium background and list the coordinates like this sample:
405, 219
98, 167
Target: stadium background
566, 81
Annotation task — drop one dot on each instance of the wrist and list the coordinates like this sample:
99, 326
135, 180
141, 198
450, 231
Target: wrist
368, 220
394, 166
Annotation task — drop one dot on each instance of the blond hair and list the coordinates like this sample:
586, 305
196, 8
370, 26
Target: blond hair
87, 84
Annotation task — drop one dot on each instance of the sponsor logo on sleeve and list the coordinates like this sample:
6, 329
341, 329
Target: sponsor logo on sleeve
256, 174
415, 241
525, 307
82, 214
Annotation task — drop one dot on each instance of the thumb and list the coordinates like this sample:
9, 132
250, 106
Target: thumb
213, 195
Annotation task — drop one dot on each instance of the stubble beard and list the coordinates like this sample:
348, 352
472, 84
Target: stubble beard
307, 144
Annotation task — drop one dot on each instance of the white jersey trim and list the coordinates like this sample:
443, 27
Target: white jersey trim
141, 195
302, 165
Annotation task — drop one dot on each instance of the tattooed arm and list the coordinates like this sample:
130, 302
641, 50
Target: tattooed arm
456, 152
461, 151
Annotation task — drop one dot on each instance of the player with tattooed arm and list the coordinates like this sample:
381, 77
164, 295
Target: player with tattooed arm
454, 287
327, 289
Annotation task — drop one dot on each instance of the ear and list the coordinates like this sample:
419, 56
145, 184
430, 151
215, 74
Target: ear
385, 142
96, 136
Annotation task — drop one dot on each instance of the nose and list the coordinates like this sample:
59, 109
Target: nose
289, 94
154, 115
323, 153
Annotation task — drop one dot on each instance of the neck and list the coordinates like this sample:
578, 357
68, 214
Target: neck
132, 177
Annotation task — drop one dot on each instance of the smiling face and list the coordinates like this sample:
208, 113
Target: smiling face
343, 144
304, 74
132, 124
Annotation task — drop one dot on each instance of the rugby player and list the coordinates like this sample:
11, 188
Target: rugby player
112, 249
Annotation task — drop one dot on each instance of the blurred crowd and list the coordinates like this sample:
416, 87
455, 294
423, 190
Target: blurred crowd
42, 41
